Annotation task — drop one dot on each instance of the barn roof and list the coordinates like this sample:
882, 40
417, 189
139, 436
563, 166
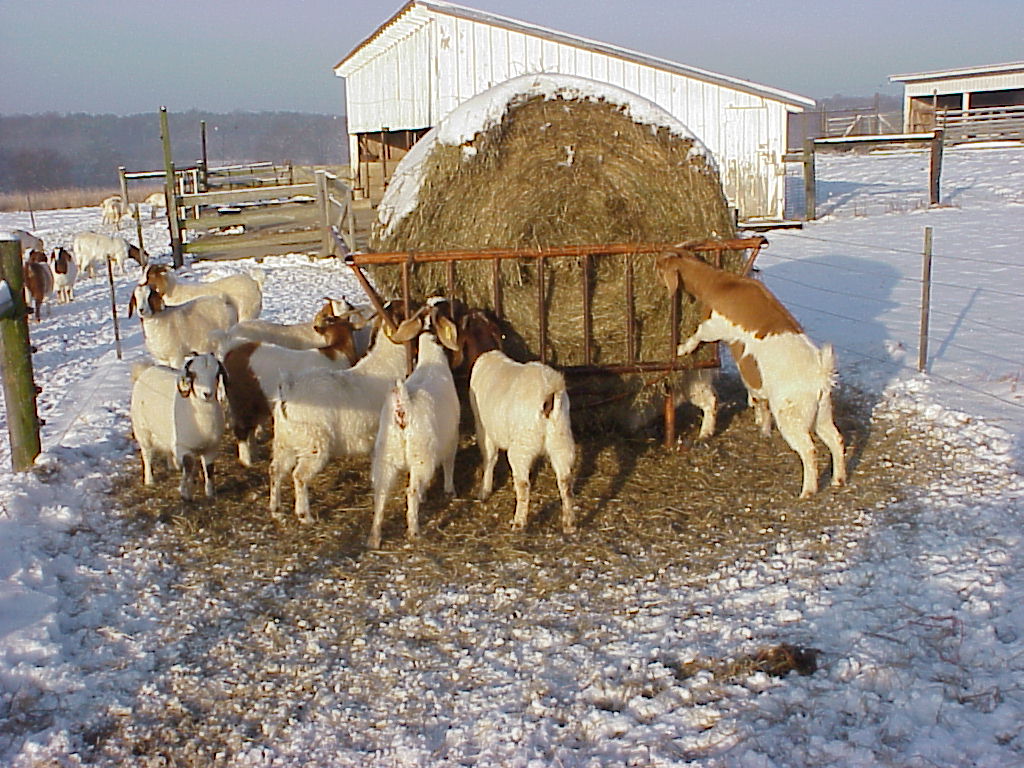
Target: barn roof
943, 74
417, 13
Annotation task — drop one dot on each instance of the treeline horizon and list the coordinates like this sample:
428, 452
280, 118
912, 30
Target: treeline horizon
51, 150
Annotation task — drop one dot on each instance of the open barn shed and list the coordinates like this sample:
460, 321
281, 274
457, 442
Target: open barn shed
432, 56
973, 103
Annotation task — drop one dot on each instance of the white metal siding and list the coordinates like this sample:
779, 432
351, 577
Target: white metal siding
965, 84
421, 78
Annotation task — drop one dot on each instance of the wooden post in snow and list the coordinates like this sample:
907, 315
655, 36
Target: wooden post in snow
19, 387
810, 193
113, 307
935, 168
926, 297
173, 222
323, 207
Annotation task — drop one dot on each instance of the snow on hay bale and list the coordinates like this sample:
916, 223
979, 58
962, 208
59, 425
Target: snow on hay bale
552, 160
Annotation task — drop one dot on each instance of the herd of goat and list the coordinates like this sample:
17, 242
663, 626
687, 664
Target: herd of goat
339, 384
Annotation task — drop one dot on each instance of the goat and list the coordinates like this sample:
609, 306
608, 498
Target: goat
419, 430
523, 409
93, 250
29, 242
326, 414
796, 377
113, 208
156, 201
304, 335
65, 272
245, 291
358, 316
176, 413
38, 281
172, 332
255, 371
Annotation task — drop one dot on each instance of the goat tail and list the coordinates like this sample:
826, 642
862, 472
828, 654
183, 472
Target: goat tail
258, 275
284, 387
400, 404
827, 366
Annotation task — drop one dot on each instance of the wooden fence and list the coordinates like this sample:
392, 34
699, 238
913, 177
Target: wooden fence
984, 124
262, 220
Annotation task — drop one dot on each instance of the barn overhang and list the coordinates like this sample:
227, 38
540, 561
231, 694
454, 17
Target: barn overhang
959, 90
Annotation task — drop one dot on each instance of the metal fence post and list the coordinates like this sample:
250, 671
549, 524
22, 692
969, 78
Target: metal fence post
926, 294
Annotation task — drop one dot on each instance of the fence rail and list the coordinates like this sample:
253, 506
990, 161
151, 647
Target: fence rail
983, 124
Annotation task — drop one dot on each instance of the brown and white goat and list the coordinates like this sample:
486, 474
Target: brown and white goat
65, 272
256, 370
796, 378
38, 281
519, 408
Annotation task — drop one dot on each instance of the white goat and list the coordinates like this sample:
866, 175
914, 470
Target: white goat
29, 242
65, 272
176, 413
419, 431
256, 370
523, 409
93, 249
245, 291
326, 414
796, 378
112, 209
172, 332
156, 201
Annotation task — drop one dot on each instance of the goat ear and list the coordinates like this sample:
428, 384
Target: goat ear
669, 274
408, 330
447, 332
185, 385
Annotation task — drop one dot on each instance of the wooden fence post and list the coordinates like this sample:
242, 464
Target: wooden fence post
177, 252
19, 387
123, 184
926, 294
810, 193
935, 167
323, 205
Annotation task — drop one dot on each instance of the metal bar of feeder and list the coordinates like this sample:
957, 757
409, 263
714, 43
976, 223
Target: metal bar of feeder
371, 294
711, 246
587, 298
541, 314
630, 312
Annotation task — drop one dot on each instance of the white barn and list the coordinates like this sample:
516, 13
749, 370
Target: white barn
986, 100
432, 56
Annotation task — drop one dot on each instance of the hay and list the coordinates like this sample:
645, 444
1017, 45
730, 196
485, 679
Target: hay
559, 172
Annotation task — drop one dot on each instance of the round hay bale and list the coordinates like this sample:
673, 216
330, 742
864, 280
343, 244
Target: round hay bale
551, 160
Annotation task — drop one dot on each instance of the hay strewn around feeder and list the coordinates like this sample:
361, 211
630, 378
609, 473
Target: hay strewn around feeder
565, 166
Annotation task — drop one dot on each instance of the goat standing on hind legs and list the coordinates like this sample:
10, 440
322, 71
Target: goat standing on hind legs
796, 378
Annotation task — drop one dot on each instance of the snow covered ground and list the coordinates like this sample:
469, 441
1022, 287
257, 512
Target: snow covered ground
920, 616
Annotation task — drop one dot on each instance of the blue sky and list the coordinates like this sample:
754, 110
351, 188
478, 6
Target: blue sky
130, 56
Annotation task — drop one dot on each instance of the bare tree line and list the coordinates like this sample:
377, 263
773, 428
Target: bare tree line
56, 151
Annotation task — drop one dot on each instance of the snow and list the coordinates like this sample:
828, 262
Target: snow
919, 608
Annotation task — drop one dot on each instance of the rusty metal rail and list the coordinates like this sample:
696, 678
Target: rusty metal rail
406, 259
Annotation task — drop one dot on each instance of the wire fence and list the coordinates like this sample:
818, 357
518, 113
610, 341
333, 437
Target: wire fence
960, 322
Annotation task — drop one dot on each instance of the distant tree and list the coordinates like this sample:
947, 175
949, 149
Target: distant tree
76, 150
33, 169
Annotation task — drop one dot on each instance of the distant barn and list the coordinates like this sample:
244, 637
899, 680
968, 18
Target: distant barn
969, 104
432, 56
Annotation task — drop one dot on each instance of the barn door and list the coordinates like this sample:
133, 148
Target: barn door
753, 172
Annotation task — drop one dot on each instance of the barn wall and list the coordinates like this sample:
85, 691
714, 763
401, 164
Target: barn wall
428, 73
